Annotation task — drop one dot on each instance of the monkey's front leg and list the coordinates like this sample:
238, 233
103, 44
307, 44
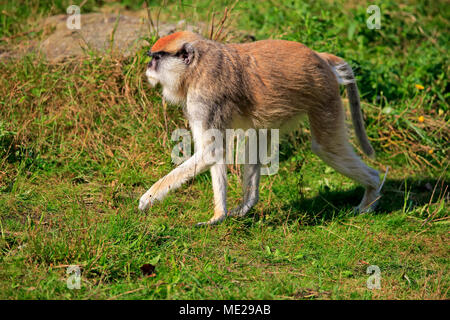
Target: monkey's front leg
219, 184
187, 170
198, 163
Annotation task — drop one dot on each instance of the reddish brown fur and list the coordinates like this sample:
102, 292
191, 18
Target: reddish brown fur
281, 80
264, 84
303, 82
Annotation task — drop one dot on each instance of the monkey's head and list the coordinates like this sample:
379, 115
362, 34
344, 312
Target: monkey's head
172, 56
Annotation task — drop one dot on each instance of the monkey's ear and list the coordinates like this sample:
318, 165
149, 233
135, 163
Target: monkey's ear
186, 53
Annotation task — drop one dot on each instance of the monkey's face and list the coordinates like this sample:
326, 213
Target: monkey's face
169, 68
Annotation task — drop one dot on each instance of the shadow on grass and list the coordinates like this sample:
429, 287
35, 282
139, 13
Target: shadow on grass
328, 204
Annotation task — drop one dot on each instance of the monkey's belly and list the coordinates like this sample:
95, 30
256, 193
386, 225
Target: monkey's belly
285, 126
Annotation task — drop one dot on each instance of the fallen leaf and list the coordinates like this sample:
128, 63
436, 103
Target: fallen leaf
148, 270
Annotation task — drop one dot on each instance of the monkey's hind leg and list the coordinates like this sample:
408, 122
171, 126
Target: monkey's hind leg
250, 186
330, 143
250, 181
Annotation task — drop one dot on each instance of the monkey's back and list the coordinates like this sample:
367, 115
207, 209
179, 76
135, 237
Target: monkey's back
286, 79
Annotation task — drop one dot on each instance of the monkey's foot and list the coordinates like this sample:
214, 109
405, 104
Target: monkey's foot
361, 209
236, 212
213, 221
371, 198
239, 211
369, 202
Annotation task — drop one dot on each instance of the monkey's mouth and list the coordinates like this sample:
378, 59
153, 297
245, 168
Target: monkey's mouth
150, 73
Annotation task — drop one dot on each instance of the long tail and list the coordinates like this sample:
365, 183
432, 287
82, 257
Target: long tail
345, 76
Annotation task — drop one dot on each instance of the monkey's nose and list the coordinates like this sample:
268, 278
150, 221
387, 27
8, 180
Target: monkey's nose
151, 64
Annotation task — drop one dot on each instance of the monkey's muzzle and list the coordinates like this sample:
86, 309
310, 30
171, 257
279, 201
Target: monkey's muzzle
152, 64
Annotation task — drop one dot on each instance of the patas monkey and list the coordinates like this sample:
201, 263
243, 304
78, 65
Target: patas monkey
264, 84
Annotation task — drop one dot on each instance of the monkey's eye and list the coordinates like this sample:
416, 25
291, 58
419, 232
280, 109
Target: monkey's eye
158, 55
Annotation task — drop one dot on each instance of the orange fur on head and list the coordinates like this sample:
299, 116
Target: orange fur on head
173, 42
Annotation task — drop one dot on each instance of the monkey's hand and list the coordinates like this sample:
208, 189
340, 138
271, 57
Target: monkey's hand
145, 202
148, 198
156, 193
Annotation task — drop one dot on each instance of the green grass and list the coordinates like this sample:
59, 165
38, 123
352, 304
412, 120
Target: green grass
82, 140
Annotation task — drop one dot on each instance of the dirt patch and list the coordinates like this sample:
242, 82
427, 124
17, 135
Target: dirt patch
124, 33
